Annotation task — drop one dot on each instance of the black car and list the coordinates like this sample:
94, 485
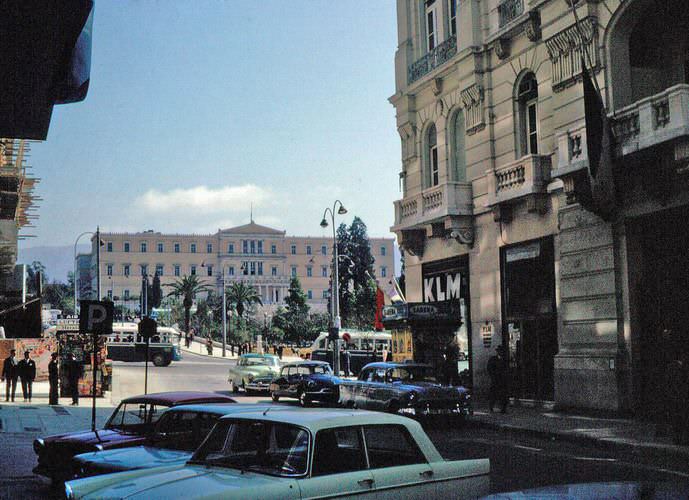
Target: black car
409, 389
307, 381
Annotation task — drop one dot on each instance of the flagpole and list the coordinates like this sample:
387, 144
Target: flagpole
587, 56
397, 287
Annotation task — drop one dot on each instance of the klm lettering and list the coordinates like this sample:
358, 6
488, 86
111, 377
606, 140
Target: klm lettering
439, 288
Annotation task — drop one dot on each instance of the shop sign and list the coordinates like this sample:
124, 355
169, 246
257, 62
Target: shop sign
68, 324
423, 310
443, 287
487, 334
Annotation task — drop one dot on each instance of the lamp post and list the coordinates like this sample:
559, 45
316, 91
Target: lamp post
224, 315
76, 304
335, 302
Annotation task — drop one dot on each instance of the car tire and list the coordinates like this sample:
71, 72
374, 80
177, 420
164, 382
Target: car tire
158, 359
274, 397
303, 401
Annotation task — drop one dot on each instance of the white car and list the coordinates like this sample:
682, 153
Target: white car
303, 453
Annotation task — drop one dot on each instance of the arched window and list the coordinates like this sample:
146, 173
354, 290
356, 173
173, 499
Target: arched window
458, 156
432, 160
527, 102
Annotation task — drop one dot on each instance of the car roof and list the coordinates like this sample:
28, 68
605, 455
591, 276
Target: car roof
306, 363
316, 419
180, 398
221, 408
389, 364
256, 355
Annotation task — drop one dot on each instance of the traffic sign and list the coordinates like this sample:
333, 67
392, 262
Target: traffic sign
96, 317
346, 337
147, 328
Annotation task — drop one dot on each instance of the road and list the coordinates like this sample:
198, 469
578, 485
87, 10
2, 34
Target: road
517, 461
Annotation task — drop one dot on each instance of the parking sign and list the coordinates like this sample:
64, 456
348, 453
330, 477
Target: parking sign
96, 317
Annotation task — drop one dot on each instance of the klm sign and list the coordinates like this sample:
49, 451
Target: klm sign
442, 287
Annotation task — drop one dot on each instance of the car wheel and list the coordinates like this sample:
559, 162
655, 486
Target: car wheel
275, 397
303, 401
158, 359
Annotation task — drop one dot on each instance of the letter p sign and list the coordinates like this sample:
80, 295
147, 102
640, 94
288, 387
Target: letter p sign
96, 317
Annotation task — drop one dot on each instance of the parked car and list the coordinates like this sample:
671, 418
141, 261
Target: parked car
131, 424
407, 388
178, 433
303, 453
307, 381
254, 372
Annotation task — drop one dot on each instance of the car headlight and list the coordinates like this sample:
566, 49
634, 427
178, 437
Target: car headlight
250, 377
310, 384
38, 446
99, 447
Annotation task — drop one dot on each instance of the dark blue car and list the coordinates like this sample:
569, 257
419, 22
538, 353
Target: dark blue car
307, 381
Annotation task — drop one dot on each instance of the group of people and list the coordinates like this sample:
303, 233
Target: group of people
24, 371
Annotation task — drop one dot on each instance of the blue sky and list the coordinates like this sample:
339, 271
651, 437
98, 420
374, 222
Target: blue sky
198, 108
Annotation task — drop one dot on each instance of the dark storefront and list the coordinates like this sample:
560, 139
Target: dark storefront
529, 318
440, 325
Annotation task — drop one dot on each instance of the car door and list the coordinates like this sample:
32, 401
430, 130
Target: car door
398, 466
363, 387
281, 382
293, 381
338, 467
377, 390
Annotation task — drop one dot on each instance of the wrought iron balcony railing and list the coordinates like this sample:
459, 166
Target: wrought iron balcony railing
509, 10
433, 59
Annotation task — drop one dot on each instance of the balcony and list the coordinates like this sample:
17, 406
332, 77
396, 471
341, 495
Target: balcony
432, 205
433, 59
652, 121
509, 10
526, 177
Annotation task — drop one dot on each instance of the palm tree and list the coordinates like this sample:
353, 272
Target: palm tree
242, 296
187, 288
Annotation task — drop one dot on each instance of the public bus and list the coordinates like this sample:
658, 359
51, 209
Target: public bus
364, 347
125, 344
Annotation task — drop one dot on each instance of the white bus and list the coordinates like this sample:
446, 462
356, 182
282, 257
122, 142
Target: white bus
364, 347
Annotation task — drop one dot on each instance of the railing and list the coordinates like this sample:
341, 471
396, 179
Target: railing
528, 175
652, 120
508, 10
452, 198
436, 57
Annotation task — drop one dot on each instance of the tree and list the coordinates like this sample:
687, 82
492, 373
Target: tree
59, 296
186, 288
155, 296
242, 296
32, 271
293, 320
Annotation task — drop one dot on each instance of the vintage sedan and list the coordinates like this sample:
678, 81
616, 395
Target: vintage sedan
407, 388
254, 372
307, 381
131, 424
303, 453
178, 433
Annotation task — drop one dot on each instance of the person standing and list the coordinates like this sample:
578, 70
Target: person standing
27, 374
73, 376
347, 361
9, 375
53, 378
209, 345
497, 371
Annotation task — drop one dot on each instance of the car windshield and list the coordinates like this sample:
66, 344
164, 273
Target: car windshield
412, 374
257, 362
271, 448
135, 418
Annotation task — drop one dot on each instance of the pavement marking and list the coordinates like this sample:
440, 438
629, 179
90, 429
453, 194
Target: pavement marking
529, 448
595, 459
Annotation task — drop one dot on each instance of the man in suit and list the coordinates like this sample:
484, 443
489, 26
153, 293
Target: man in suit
27, 374
9, 375
74, 371
53, 377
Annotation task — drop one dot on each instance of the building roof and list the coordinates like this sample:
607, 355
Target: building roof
252, 228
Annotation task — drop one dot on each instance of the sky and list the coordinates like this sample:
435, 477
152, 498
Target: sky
198, 109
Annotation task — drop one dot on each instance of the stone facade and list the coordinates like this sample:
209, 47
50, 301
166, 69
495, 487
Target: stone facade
262, 256
494, 157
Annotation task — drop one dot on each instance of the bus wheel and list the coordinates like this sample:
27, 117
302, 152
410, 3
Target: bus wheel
158, 359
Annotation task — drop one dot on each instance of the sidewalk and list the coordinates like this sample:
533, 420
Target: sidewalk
199, 347
621, 435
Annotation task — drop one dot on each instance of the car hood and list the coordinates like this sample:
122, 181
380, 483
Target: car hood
256, 370
325, 379
191, 481
107, 438
138, 457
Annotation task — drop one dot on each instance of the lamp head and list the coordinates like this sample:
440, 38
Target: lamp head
342, 210
324, 223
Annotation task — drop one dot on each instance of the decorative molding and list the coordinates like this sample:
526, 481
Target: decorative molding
412, 241
408, 135
472, 97
567, 48
501, 46
437, 86
460, 229
533, 26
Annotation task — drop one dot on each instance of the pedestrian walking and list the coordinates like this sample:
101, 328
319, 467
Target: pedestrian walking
209, 345
74, 372
497, 371
281, 349
53, 378
10, 374
346, 361
27, 374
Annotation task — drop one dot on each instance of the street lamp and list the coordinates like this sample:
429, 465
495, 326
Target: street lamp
75, 268
335, 302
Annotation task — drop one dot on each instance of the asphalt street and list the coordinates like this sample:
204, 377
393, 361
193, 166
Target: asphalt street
517, 461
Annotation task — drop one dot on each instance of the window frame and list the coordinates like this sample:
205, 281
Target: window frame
430, 20
177, 247
160, 267
143, 247
126, 247
161, 247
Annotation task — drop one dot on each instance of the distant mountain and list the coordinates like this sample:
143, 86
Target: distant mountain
58, 260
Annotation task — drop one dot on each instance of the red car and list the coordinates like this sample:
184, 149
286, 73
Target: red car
131, 424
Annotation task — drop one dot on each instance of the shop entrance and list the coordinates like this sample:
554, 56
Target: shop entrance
662, 305
530, 325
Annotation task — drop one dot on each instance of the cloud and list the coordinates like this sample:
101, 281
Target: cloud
205, 200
